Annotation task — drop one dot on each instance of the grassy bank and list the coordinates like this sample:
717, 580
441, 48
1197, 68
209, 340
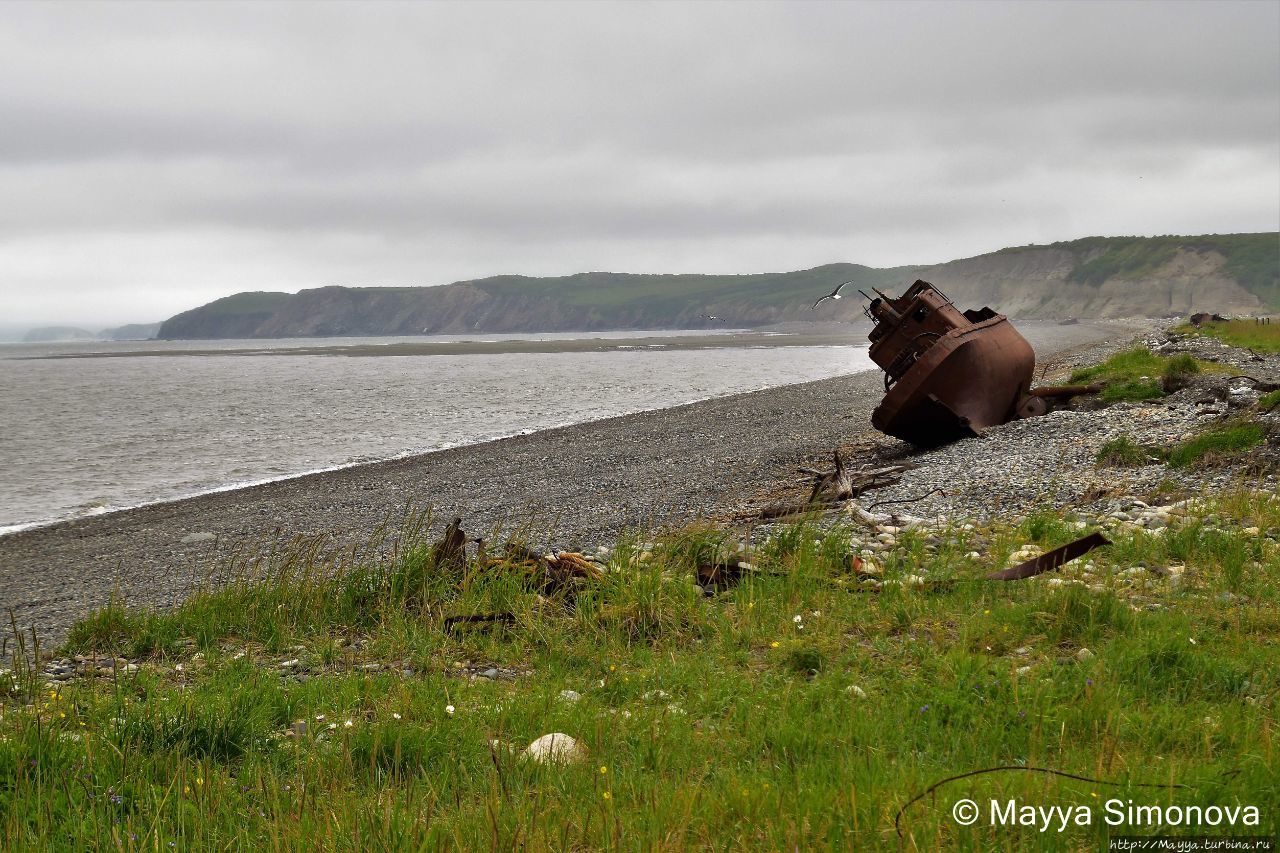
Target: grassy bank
325, 705
1260, 337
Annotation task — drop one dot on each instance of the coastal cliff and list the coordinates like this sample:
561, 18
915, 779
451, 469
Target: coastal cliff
1092, 277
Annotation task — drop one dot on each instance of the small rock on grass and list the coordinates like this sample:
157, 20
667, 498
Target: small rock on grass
556, 748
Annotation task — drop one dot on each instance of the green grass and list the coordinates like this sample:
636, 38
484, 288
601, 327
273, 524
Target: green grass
1122, 452
1269, 401
1225, 440
1140, 374
1178, 371
726, 722
1261, 337
1128, 365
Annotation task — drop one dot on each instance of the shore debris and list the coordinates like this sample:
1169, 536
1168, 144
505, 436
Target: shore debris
451, 549
1051, 560
451, 623
842, 483
948, 374
552, 575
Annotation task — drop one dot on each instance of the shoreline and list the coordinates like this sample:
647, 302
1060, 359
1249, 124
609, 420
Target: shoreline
8, 530
580, 485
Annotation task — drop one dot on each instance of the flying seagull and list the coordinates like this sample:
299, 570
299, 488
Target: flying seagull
835, 294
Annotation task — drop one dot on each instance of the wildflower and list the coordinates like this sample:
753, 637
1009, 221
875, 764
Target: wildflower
347, 724
774, 644
923, 708
613, 668
199, 780
606, 796
797, 619
186, 789
1089, 682
1193, 640
750, 604
449, 709
986, 613
604, 770
332, 726
319, 717
395, 716
816, 613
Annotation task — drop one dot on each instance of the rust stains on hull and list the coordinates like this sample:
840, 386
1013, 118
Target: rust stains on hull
948, 374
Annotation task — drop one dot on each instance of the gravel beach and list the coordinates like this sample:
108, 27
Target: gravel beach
573, 487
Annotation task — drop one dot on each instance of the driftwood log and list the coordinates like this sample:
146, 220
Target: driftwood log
452, 547
551, 574
842, 483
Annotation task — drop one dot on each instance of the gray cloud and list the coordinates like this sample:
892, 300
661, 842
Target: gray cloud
155, 156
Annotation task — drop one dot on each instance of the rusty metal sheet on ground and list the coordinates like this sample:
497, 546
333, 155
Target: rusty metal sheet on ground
1051, 560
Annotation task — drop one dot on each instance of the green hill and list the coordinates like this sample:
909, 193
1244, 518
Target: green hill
1090, 277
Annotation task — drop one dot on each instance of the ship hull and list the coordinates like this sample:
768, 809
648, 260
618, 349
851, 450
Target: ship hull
971, 378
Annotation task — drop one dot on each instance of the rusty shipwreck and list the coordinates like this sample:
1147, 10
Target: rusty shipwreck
948, 373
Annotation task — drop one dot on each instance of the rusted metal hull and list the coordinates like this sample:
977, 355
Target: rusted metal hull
948, 374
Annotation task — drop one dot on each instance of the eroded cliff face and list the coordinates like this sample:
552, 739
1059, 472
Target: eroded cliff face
1037, 283
1033, 282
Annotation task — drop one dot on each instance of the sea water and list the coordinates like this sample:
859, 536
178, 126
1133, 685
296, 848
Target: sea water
82, 436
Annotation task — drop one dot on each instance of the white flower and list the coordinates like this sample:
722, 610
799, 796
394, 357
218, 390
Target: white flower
449, 709
817, 613
395, 716
333, 726
319, 717
348, 724
797, 618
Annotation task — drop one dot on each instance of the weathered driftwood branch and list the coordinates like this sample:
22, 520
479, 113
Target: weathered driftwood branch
552, 574
831, 488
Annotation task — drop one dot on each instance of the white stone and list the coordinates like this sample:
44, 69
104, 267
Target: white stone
1084, 654
556, 748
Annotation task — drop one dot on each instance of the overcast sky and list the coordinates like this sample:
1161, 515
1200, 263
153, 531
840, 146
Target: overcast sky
154, 157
